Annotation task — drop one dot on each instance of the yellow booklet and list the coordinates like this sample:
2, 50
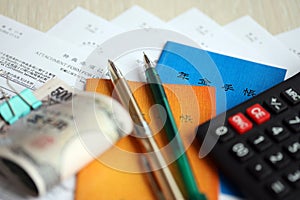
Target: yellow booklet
115, 174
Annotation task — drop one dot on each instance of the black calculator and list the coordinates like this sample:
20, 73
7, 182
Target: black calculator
258, 143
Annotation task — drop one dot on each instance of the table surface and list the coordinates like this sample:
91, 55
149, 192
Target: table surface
275, 15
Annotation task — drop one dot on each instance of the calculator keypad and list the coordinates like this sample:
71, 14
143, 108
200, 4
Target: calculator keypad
258, 114
223, 133
277, 132
277, 159
260, 170
241, 151
262, 138
292, 95
293, 149
240, 123
275, 104
278, 188
293, 178
260, 142
293, 123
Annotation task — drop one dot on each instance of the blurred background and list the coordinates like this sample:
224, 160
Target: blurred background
276, 16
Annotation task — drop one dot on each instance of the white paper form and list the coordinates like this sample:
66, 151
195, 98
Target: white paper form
271, 50
137, 18
30, 58
84, 29
127, 56
210, 35
291, 39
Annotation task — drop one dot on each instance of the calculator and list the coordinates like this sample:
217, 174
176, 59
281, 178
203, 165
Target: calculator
257, 143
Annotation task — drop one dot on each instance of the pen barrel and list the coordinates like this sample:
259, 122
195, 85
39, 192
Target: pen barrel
161, 99
127, 99
172, 133
159, 169
157, 165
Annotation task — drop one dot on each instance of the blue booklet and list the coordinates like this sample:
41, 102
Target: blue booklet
235, 80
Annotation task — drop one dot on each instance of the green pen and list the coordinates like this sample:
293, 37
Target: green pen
170, 127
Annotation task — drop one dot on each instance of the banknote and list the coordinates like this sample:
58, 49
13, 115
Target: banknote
54, 142
54, 91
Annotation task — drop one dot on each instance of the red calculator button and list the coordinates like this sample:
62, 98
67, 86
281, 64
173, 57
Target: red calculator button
240, 123
258, 113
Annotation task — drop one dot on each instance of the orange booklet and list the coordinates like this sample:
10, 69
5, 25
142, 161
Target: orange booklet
117, 173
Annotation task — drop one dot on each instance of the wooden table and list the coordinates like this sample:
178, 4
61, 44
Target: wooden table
275, 15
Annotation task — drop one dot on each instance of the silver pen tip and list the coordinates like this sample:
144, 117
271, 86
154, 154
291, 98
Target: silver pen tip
110, 62
114, 71
112, 65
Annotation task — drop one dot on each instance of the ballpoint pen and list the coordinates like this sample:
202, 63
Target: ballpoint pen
162, 173
171, 130
151, 178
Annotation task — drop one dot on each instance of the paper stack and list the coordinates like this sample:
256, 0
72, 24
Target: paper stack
77, 48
